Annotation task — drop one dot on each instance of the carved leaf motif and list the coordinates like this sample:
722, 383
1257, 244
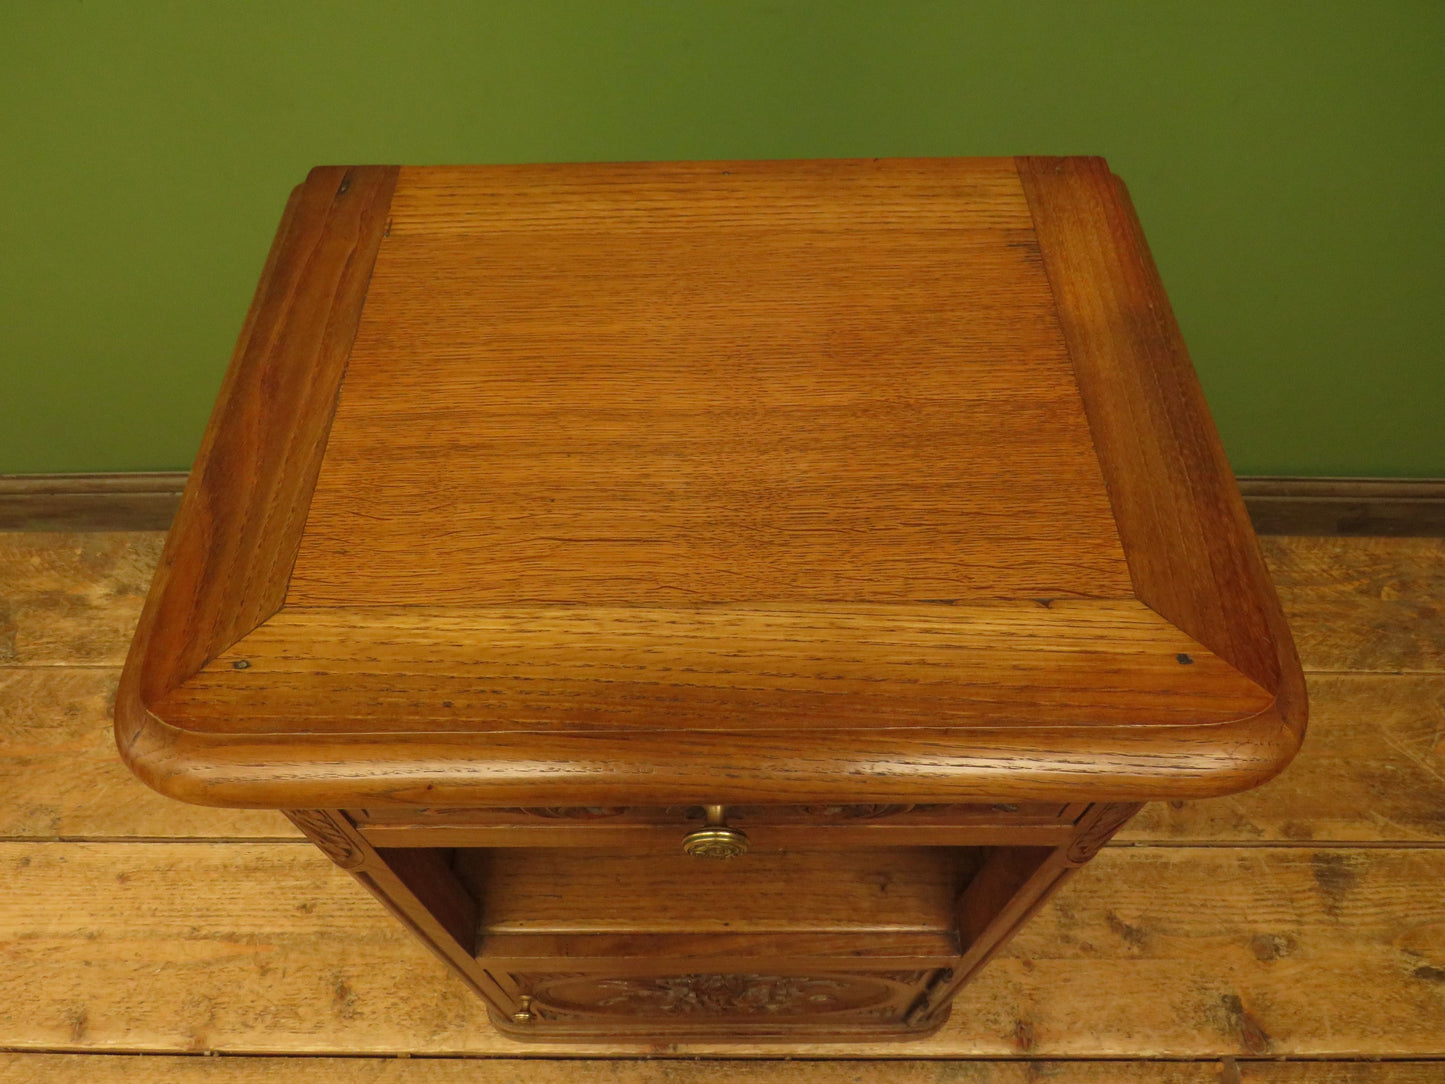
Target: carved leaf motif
572, 812
330, 837
712, 995
1109, 821
856, 811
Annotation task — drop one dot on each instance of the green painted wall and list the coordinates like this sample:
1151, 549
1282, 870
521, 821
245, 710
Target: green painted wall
1286, 158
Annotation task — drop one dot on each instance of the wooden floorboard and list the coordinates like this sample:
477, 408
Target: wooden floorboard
1161, 951
1372, 770
1350, 1072
124, 1069
1361, 604
60, 777
72, 599
111, 1069
1303, 920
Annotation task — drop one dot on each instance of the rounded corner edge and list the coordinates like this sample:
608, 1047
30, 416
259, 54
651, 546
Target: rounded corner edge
151, 748
1254, 750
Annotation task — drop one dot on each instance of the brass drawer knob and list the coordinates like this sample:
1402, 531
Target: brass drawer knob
524, 1014
715, 839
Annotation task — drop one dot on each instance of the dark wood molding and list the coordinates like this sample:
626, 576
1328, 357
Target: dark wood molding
147, 500
121, 501
1346, 506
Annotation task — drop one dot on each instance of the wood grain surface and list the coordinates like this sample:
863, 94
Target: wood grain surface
729, 383
800, 387
1277, 505
768, 827
1109, 364
1020, 764
61, 778
69, 599
1183, 952
1373, 770
1358, 1072
675, 455
123, 1069
72, 599
711, 668
230, 551
561, 891
119, 1069
1286, 949
652, 197
1363, 603
1191, 551
128, 1069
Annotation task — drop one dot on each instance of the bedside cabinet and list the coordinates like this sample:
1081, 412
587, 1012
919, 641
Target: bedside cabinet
711, 600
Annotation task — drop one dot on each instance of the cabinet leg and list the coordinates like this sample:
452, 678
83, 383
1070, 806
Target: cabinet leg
1014, 882
417, 885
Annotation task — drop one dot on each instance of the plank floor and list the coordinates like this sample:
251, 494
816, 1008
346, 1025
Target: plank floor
1291, 934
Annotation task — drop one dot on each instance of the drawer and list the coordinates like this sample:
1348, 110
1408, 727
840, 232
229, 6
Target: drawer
662, 828
793, 943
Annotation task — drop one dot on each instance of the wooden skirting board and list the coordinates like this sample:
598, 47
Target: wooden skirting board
1346, 506
120, 501
147, 500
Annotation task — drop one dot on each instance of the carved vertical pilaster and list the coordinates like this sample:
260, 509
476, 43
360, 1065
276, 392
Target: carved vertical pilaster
1096, 827
414, 884
334, 835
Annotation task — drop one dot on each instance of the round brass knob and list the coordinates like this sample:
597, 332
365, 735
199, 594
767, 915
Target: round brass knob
715, 839
524, 1014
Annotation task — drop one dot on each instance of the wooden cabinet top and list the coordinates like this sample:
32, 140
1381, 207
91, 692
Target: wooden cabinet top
710, 482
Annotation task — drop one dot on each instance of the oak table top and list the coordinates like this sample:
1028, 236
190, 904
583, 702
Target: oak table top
873, 480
